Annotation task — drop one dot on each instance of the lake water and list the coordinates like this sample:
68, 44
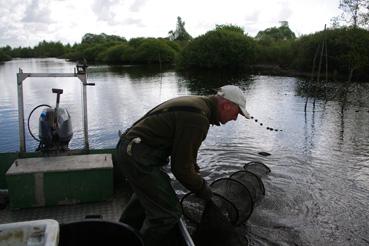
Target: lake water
317, 192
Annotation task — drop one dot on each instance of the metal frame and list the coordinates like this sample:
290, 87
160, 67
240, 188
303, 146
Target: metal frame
80, 72
186, 235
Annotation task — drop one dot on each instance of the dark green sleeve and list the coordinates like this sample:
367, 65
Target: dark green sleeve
184, 153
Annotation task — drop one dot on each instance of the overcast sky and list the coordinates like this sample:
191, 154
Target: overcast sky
27, 22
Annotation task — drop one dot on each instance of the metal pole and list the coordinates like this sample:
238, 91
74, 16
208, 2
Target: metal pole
83, 78
22, 139
186, 235
85, 119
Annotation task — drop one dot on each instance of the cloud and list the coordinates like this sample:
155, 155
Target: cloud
253, 17
103, 9
133, 21
10, 25
136, 5
285, 12
37, 13
118, 12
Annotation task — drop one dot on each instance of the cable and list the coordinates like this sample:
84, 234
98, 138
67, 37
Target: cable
261, 124
29, 117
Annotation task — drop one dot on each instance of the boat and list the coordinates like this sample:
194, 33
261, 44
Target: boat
64, 191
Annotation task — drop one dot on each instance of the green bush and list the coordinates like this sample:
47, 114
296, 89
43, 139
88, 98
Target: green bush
222, 48
276, 34
275, 53
4, 56
117, 54
154, 51
347, 48
92, 53
176, 45
74, 56
20, 52
93, 39
135, 42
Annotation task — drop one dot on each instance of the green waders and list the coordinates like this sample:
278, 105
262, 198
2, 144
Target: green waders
153, 208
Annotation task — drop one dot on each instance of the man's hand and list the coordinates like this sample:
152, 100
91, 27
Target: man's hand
205, 192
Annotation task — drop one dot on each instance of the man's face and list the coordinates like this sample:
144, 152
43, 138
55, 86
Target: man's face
228, 111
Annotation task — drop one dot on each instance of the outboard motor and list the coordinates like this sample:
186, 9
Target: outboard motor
55, 127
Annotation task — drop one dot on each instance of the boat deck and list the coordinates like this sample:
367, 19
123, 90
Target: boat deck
109, 210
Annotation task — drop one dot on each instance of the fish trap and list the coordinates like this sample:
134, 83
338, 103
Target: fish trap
193, 207
252, 182
238, 194
235, 196
258, 168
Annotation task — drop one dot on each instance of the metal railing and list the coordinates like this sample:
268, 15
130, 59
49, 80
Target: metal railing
80, 72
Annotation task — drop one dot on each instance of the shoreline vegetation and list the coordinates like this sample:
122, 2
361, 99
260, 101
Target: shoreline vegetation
339, 54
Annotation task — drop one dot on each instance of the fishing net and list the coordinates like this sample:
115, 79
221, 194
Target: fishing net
215, 229
234, 196
258, 168
252, 182
238, 194
193, 207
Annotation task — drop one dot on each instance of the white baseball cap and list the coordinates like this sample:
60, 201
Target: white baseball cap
235, 95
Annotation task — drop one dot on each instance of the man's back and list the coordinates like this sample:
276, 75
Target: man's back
161, 130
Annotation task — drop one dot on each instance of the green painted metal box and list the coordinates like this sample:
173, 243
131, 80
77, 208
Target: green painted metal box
50, 181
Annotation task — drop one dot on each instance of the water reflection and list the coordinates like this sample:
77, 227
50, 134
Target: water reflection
317, 191
354, 94
204, 82
140, 72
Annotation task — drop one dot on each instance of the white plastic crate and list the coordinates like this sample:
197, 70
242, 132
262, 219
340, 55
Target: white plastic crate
30, 233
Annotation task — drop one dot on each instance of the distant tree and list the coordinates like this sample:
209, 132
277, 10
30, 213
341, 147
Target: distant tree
135, 42
152, 51
219, 48
276, 33
121, 53
90, 38
275, 45
93, 48
5, 53
180, 34
355, 13
7, 49
173, 44
23, 52
232, 28
279, 53
348, 52
4, 56
49, 49
92, 52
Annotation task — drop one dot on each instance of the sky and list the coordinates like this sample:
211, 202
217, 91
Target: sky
27, 22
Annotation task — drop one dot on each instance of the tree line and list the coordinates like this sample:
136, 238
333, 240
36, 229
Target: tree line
345, 50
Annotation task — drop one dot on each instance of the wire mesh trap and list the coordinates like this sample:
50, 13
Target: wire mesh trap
216, 230
252, 182
234, 196
258, 168
238, 194
193, 207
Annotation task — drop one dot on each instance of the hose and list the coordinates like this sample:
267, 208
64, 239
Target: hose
29, 117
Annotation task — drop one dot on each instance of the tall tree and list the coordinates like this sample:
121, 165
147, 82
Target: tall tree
276, 33
354, 12
180, 33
